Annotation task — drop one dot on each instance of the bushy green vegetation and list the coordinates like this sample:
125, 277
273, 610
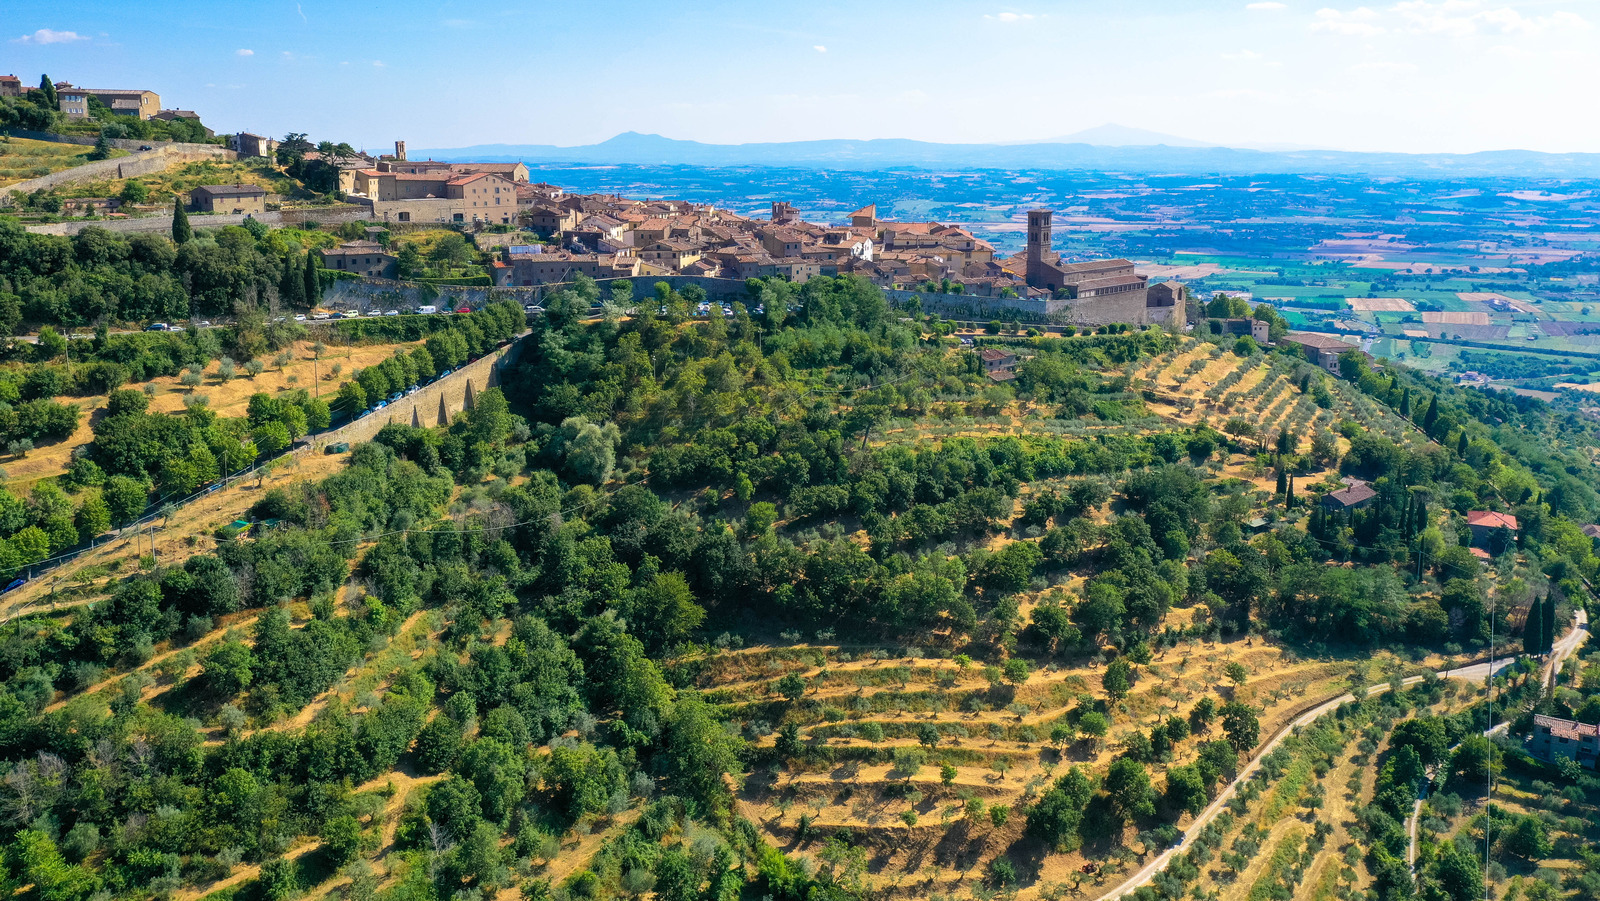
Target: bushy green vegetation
639, 485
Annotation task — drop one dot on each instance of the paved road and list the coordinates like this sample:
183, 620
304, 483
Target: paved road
1474, 672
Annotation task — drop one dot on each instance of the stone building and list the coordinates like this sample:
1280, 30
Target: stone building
247, 199
246, 144
1556, 739
367, 258
73, 101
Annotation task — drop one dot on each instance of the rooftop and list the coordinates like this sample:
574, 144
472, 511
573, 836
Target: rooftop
1566, 728
233, 190
1491, 520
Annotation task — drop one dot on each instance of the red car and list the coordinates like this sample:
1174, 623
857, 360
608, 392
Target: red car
463, 309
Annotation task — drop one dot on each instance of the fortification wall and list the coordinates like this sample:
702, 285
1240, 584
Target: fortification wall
426, 403
320, 215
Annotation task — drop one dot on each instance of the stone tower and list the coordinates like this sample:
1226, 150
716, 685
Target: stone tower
400, 151
1038, 235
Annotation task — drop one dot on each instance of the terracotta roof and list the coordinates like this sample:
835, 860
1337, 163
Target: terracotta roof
1592, 531
1491, 519
1321, 342
990, 353
1480, 553
1355, 494
1561, 728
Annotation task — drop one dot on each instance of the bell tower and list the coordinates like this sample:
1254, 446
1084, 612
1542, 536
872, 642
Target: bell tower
1038, 235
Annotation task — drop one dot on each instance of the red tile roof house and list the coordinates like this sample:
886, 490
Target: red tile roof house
1350, 498
1483, 523
1555, 738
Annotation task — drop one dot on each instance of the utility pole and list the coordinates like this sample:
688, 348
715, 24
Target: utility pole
1488, 798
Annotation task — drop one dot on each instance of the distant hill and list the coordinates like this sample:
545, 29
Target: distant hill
641, 149
1114, 135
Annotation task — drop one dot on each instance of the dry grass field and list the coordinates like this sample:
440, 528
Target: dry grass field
21, 159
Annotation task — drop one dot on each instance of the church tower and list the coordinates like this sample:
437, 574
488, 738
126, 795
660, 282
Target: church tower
1038, 235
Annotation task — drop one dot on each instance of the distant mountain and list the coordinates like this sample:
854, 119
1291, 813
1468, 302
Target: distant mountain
632, 148
1114, 135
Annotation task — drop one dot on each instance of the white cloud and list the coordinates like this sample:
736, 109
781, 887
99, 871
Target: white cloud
1358, 22
50, 36
1009, 17
1464, 18
243, 52
819, 48
1265, 4
1245, 55
1444, 18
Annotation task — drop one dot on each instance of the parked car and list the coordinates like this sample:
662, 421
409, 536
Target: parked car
174, 328
15, 583
463, 309
374, 312
156, 327
319, 316
392, 313
427, 308
204, 323
299, 317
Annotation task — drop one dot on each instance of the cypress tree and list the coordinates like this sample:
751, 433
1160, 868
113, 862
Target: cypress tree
48, 88
1405, 402
1288, 494
181, 232
1461, 445
292, 287
1432, 416
313, 281
1283, 482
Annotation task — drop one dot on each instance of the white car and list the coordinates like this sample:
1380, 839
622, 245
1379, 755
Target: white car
299, 317
374, 312
392, 313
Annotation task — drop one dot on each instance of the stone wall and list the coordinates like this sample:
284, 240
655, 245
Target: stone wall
334, 215
143, 163
452, 390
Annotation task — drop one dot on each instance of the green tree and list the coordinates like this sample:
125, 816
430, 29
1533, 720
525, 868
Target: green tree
791, 686
700, 753
133, 192
1128, 784
1118, 678
1239, 723
1186, 790
93, 517
1529, 839
341, 839
228, 669
181, 231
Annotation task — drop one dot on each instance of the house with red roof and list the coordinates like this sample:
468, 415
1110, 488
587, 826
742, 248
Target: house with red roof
1485, 523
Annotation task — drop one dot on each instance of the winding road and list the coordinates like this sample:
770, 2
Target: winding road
1473, 672
1558, 655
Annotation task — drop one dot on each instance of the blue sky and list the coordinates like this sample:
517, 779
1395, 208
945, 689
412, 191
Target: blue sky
1414, 75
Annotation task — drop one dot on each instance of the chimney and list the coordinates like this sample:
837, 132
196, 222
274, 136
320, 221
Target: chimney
400, 150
